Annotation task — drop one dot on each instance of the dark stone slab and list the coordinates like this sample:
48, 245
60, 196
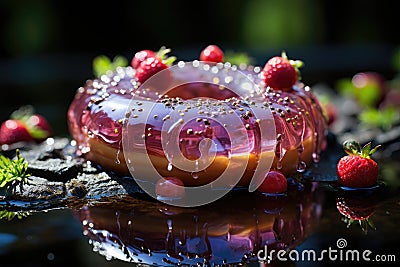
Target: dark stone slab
58, 176
56, 169
37, 189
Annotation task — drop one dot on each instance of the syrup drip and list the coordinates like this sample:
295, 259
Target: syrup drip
117, 161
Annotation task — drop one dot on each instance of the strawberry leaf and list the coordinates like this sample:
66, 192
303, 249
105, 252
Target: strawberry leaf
374, 149
162, 55
351, 147
23, 113
168, 61
297, 64
162, 52
365, 151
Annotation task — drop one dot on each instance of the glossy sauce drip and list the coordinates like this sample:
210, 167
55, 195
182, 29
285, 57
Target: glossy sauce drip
298, 116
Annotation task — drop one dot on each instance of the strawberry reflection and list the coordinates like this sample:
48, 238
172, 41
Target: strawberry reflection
230, 230
357, 208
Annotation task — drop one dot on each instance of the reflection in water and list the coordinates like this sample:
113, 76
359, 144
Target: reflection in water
231, 230
358, 208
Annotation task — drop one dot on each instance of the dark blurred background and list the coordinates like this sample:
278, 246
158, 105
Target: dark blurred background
47, 47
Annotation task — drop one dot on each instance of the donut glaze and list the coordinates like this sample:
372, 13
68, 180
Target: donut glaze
99, 112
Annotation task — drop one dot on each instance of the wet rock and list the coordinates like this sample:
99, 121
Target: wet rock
100, 185
50, 148
55, 169
76, 188
59, 176
37, 189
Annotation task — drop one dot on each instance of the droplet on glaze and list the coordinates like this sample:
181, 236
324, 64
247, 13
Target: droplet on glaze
301, 166
169, 167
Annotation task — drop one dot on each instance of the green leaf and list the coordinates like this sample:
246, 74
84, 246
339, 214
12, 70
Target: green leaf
102, 64
13, 171
119, 61
345, 87
10, 215
374, 149
23, 113
237, 58
383, 118
162, 54
365, 151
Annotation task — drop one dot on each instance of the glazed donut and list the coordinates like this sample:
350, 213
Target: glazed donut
203, 111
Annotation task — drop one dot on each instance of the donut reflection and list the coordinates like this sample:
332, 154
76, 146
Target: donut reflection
229, 231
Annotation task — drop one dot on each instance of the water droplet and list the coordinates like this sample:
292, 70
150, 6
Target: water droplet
169, 223
195, 175
301, 166
279, 164
316, 157
117, 155
169, 167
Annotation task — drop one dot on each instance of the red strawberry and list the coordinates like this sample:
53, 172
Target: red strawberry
13, 131
154, 64
275, 182
357, 169
141, 56
280, 73
369, 88
39, 127
212, 53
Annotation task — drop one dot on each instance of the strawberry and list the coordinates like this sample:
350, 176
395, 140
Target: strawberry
13, 131
357, 169
369, 88
356, 209
280, 73
274, 182
212, 53
153, 64
39, 127
141, 56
